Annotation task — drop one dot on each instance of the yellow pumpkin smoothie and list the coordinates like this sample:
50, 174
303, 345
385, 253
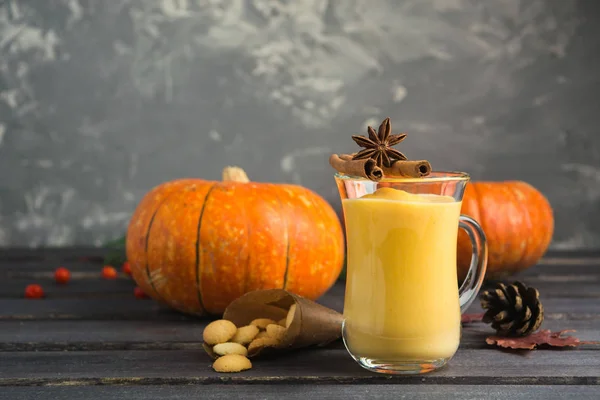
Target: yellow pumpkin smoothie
403, 305
401, 287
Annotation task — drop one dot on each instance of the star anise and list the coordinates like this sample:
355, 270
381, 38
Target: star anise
378, 145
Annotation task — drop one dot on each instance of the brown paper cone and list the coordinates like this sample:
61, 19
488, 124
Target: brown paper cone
313, 324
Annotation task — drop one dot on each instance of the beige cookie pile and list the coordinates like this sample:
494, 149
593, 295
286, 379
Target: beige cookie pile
231, 344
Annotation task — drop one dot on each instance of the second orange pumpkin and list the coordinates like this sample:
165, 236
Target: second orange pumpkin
517, 220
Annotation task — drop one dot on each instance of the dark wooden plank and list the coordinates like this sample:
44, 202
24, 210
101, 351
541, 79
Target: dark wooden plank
54, 335
575, 276
576, 367
571, 257
560, 286
91, 284
33, 263
132, 308
49, 258
563, 276
42, 270
100, 335
560, 266
95, 287
303, 392
37, 269
550, 273
562, 280
568, 264
555, 280
562, 308
566, 289
129, 308
60, 254
86, 309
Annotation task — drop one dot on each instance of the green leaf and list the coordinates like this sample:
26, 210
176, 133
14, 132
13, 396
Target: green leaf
116, 252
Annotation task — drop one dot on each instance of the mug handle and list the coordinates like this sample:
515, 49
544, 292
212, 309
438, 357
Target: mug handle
472, 283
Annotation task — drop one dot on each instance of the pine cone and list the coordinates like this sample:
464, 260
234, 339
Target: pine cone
513, 310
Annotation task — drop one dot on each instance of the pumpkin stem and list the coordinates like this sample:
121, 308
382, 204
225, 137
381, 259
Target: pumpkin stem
235, 174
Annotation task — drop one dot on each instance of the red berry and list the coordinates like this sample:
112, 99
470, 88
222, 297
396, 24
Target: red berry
34, 291
62, 275
109, 272
139, 293
126, 268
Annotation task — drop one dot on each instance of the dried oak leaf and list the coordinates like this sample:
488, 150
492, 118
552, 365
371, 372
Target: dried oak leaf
543, 337
468, 318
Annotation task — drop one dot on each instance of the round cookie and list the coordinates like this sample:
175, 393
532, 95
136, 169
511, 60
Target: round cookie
219, 331
262, 323
223, 349
261, 334
261, 343
275, 331
245, 334
232, 363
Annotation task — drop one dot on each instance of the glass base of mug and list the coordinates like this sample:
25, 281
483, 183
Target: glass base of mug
398, 367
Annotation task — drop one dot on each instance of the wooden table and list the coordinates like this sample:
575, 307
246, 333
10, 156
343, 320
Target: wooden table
92, 339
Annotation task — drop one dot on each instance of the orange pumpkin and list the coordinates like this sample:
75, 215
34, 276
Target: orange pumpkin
197, 245
517, 220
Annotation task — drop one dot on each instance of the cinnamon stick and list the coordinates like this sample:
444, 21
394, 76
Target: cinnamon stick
368, 168
408, 168
364, 168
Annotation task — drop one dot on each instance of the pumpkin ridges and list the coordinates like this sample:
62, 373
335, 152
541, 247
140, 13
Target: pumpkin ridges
206, 268
247, 264
336, 237
149, 275
272, 268
172, 249
287, 246
147, 267
328, 274
294, 242
198, 249
286, 255
222, 279
287, 263
311, 245
136, 231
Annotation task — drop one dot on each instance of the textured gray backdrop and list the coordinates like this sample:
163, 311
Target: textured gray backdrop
102, 99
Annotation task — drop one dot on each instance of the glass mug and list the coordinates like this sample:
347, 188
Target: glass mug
403, 306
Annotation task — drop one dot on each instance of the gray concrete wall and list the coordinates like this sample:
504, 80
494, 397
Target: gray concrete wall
101, 100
